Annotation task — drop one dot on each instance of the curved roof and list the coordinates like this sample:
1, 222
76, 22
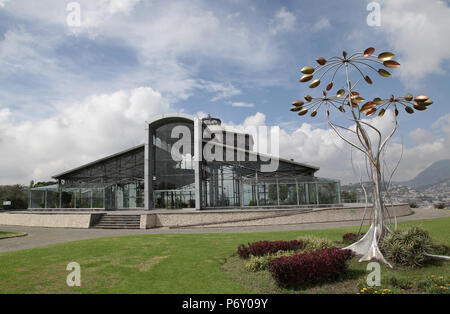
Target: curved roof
162, 118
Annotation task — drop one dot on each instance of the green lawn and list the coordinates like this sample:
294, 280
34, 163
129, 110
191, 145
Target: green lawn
4, 234
175, 263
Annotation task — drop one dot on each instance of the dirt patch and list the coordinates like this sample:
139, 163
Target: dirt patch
150, 263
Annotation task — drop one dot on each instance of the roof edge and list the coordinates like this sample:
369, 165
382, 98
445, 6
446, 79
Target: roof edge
97, 161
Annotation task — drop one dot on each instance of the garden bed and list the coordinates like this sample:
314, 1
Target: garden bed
401, 280
319, 265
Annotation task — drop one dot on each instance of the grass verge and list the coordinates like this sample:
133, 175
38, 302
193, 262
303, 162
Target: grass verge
4, 234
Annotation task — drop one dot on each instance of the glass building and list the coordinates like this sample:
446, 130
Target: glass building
187, 162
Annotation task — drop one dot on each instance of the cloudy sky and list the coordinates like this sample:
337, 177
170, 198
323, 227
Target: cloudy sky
70, 93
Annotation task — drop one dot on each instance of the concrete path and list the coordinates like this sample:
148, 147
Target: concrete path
38, 236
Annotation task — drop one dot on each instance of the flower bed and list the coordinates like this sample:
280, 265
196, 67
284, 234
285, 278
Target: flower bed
262, 248
310, 267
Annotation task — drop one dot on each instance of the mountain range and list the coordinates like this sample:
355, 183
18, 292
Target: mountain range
436, 174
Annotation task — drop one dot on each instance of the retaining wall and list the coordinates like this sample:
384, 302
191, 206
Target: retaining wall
203, 219
263, 217
80, 221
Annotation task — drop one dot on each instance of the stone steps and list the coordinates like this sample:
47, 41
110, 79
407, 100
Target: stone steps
118, 222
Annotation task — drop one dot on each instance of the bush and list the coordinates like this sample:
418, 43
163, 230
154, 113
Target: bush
440, 206
262, 248
311, 243
243, 251
407, 248
440, 249
310, 267
413, 205
259, 263
401, 283
350, 238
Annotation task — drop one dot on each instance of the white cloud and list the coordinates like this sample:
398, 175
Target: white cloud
321, 24
283, 21
171, 41
443, 123
242, 104
421, 135
75, 134
5, 113
94, 14
256, 120
222, 90
2, 3
418, 30
167, 31
19, 51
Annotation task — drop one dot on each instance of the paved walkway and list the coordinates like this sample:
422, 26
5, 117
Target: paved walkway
38, 236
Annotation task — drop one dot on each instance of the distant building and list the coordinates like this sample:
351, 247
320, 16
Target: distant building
163, 173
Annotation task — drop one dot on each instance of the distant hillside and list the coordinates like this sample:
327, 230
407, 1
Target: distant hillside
435, 174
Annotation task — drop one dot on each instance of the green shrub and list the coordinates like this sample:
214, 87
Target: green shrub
311, 243
400, 283
440, 249
407, 248
440, 206
259, 263
413, 205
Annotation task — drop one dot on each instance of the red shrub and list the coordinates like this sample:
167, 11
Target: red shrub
310, 267
351, 237
268, 247
243, 251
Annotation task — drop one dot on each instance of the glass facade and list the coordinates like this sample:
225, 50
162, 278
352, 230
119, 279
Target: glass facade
119, 181
173, 166
118, 196
242, 184
221, 185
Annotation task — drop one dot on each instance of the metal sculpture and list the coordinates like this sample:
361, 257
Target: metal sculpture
349, 103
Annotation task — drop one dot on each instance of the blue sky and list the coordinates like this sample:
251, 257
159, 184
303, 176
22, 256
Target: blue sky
237, 60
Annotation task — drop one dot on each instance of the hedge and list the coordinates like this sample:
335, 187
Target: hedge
310, 267
262, 248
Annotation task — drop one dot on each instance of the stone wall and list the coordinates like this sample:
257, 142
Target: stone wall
261, 218
202, 219
80, 221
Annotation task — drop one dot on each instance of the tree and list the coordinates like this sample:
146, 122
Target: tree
16, 194
348, 196
362, 135
42, 184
